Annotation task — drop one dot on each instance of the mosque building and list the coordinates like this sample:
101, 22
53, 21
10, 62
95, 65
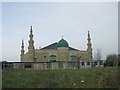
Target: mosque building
58, 51
54, 56
58, 55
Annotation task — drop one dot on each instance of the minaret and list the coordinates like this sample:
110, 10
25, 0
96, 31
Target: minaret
89, 46
31, 47
22, 51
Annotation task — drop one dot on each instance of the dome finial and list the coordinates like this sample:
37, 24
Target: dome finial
62, 36
62, 43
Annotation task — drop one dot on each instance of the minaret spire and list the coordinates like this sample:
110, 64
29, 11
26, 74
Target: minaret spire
22, 44
31, 42
31, 30
31, 46
22, 51
89, 45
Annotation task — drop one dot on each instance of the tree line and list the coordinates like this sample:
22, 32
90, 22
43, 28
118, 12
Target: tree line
112, 60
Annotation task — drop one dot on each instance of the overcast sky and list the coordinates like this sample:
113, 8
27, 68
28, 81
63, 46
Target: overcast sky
51, 20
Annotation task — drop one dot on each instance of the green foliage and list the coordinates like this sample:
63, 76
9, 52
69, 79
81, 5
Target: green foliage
118, 59
112, 60
63, 78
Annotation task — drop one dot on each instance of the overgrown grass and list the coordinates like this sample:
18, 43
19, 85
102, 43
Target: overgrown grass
68, 78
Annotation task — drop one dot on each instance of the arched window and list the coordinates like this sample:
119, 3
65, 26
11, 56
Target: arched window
72, 58
52, 58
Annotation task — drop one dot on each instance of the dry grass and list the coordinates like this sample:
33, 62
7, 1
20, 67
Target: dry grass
93, 78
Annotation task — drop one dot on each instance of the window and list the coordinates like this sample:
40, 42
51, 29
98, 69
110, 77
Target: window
8, 65
45, 56
88, 63
95, 63
101, 62
82, 63
72, 58
52, 58
27, 65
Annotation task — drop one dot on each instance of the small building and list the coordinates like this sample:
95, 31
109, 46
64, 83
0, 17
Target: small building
98, 63
47, 65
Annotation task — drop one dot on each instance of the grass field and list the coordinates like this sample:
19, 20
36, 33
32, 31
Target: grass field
68, 78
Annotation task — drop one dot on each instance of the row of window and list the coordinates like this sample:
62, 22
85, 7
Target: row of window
49, 65
54, 58
70, 64
83, 63
60, 65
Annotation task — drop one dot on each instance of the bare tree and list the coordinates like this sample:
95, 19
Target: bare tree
112, 60
97, 55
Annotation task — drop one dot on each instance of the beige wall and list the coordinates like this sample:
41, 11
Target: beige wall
54, 65
62, 54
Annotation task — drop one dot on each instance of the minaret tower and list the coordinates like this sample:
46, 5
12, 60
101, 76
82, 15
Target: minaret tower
89, 46
22, 51
31, 50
